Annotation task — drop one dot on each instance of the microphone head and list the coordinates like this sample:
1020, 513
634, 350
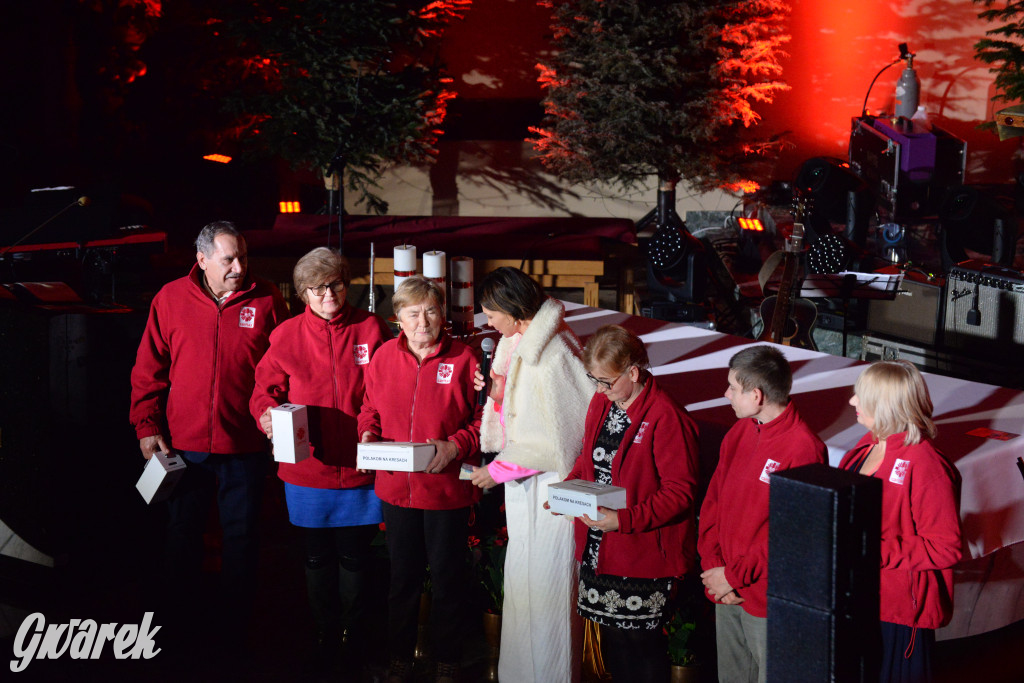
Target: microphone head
84, 201
487, 345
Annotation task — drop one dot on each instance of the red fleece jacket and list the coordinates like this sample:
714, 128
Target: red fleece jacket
407, 401
657, 463
194, 371
920, 531
320, 364
734, 516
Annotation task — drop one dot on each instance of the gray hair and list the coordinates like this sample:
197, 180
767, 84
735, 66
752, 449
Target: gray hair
207, 235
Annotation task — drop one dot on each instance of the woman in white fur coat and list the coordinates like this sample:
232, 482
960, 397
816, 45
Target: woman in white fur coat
534, 418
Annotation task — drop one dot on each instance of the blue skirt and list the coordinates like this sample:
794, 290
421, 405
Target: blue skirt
321, 508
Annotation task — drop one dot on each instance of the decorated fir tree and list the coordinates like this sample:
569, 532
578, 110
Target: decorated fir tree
350, 83
651, 87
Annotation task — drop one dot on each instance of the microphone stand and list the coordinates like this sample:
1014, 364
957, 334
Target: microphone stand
336, 167
81, 201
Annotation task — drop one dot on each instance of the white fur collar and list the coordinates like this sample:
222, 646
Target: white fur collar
542, 329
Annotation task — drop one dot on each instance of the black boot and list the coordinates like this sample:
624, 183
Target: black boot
325, 605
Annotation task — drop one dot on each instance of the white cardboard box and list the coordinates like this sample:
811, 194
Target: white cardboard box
290, 425
395, 456
160, 475
577, 497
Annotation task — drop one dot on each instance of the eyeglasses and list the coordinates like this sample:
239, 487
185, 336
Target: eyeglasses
605, 383
320, 290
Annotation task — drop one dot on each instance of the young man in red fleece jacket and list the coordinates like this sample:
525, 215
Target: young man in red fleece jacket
193, 376
733, 539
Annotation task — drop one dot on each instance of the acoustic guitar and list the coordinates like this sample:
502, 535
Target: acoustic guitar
787, 319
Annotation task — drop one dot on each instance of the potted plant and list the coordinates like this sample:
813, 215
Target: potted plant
681, 630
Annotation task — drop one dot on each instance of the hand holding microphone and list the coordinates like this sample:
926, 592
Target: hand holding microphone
487, 346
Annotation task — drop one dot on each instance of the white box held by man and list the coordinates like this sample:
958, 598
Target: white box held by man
160, 475
290, 425
396, 456
577, 497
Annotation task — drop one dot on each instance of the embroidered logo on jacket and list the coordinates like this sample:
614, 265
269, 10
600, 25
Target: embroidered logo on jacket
445, 372
899, 471
769, 467
640, 433
247, 317
361, 353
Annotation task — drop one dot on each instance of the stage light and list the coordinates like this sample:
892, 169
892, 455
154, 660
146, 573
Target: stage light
290, 207
751, 224
219, 158
676, 265
975, 219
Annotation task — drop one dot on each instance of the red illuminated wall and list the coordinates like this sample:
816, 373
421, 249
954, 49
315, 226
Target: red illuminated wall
837, 47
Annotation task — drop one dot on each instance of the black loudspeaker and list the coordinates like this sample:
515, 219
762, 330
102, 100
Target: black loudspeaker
838, 195
979, 219
823, 558
985, 312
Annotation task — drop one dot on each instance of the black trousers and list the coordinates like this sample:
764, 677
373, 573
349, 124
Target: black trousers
639, 656
236, 481
418, 538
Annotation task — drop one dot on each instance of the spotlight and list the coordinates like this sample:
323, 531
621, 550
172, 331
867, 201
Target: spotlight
676, 264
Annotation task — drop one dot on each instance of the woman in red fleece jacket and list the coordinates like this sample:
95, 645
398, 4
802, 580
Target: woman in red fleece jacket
920, 522
638, 438
419, 388
317, 359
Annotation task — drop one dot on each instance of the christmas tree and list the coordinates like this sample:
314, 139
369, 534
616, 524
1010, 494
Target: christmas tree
650, 87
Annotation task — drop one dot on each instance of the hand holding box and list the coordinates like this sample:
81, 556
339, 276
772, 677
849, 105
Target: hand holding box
290, 425
160, 475
577, 497
394, 456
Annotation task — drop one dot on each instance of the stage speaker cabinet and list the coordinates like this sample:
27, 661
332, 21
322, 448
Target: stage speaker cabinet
985, 311
915, 315
823, 558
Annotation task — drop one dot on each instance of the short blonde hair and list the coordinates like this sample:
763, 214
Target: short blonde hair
895, 394
318, 267
416, 289
616, 348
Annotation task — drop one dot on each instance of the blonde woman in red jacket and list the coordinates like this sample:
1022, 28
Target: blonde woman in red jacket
920, 522
318, 359
638, 438
419, 388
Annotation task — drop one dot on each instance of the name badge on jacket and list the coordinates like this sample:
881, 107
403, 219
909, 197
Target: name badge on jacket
769, 467
361, 353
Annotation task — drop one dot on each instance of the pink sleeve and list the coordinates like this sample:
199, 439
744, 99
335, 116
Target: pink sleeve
501, 471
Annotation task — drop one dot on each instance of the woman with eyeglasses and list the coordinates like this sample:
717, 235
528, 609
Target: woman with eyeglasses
639, 438
419, 388
533, 420
318, 359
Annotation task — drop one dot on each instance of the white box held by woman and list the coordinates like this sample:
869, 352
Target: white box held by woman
160, 475
396, 456
577, 497
290, 425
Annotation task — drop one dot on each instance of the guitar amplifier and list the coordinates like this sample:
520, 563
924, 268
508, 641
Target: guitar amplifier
985, 311
915, 314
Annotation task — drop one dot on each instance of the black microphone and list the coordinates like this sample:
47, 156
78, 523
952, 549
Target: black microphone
487, 346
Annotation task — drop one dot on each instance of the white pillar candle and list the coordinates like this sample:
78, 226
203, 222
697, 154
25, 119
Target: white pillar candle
433, 265
461, 303
462, 269
405, 263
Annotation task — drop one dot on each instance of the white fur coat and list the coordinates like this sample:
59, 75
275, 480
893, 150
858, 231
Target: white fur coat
546, 396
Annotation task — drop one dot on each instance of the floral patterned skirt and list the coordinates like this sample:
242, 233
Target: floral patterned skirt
619, 601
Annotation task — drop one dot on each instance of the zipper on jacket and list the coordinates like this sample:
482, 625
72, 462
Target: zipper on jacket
215, 384
334, 378
412, 416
